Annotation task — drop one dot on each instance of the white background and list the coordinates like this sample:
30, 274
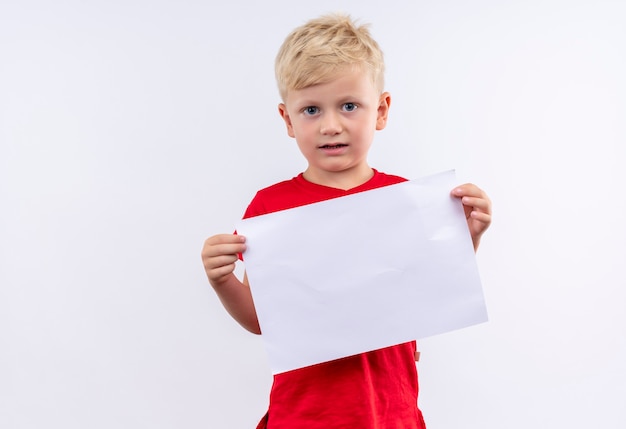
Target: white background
132, 130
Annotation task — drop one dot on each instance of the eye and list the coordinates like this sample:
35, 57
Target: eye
349, 107
311, 110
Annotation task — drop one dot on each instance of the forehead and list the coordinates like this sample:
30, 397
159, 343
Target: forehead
347, 83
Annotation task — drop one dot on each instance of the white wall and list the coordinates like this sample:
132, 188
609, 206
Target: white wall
132, 130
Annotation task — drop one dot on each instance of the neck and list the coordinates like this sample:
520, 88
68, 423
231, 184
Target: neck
340, 180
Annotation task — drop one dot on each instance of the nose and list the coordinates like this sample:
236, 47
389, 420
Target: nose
330, 124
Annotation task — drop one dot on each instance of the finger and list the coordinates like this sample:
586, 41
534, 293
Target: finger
220, 272
219, 261
481, 217
223, 244
225, 239
468, 189
481, 204
211, 251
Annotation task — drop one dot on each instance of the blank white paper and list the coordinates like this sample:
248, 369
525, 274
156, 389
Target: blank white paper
362, 272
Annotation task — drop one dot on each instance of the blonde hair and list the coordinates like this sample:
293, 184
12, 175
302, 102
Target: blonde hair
323, 47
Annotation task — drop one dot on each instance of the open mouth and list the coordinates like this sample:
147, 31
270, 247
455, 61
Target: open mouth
333, 146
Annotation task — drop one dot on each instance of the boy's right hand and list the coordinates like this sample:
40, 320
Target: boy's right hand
219, 255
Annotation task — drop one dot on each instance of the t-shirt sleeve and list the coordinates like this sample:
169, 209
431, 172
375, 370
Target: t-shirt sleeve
255, 208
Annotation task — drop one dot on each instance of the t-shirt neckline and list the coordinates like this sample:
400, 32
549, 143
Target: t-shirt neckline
326, 189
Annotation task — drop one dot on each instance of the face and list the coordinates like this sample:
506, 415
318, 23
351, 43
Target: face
334, 124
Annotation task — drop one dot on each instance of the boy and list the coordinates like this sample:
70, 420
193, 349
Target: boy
330, 78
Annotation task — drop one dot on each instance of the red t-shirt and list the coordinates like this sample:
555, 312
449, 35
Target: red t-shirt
373, 390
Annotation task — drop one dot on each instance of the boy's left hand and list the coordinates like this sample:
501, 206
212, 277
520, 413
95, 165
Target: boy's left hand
477, 207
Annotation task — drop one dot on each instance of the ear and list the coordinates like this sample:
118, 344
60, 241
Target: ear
282, 110
383, 110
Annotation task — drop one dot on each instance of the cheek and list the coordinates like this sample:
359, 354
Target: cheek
303, 130
366, 131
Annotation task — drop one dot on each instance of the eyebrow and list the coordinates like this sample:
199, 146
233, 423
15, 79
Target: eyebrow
349, 98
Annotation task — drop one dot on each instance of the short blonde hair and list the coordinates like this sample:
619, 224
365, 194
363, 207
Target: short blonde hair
323, 47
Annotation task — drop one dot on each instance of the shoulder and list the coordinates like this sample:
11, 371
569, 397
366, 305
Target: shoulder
279, 192
278, 188
272, 198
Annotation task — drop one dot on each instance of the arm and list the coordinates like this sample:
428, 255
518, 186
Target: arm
477, 207
219, 255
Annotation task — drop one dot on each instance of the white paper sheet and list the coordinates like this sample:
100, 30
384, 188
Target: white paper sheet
362, 272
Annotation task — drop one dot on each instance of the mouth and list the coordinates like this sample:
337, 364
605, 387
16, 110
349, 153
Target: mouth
333, 146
